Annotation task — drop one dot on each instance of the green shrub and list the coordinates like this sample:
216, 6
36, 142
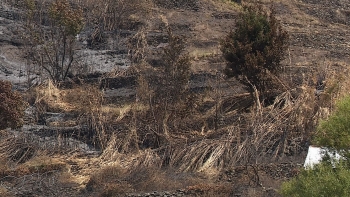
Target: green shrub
255, 48
323, 180
11, 106
334, 133
330, 178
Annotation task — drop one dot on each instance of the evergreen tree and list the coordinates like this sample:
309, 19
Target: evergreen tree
255, 49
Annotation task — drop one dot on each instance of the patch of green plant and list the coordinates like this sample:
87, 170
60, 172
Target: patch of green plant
254, 50
324, 180
330, 177
334, 132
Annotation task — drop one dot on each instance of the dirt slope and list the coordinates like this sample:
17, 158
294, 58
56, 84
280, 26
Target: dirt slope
319, 37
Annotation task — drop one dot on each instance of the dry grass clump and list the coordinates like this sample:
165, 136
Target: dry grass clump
83, 103
336, 81
141, 171
21, 156
149, 179
25, 167
24, 180
23, 170
114, 180
145, 173
17, 149
49, 98
269, 132
87, 108
25, 153
43, 164
108, 181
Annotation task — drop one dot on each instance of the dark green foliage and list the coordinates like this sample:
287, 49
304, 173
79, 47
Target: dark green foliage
334, 132
11, 106
255, 48
323, 180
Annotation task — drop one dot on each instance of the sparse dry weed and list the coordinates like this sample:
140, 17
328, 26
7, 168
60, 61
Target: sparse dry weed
108, 181
266, 134
117, 180
17, 149
43, 164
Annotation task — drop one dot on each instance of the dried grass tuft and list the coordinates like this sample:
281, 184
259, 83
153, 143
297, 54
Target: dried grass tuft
201, 156
268, 133
17, 149
78, 99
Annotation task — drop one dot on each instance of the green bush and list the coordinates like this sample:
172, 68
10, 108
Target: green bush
330, 178
255, 48
11, 106
334, 133
324, 180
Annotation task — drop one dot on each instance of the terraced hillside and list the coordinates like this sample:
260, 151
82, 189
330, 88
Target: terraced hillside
95, 134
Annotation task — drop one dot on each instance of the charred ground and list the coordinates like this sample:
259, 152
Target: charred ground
91, 136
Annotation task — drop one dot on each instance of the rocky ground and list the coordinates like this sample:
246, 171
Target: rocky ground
319, 36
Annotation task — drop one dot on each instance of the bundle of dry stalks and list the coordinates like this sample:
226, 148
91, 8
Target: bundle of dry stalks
269, 133
17, 149
20, 147
117, 147
49, 98
82, 102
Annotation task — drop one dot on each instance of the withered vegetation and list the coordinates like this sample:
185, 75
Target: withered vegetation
153, 126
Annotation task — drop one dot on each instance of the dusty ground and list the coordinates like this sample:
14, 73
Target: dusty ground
319, 36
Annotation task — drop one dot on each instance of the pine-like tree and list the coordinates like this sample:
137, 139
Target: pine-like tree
255, 49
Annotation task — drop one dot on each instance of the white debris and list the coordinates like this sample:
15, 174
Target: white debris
315, 154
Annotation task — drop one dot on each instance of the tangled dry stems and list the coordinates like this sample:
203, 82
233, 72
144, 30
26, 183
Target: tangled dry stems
23, 167
270, 134
277, 131
266, 132
263, 133
17, 149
